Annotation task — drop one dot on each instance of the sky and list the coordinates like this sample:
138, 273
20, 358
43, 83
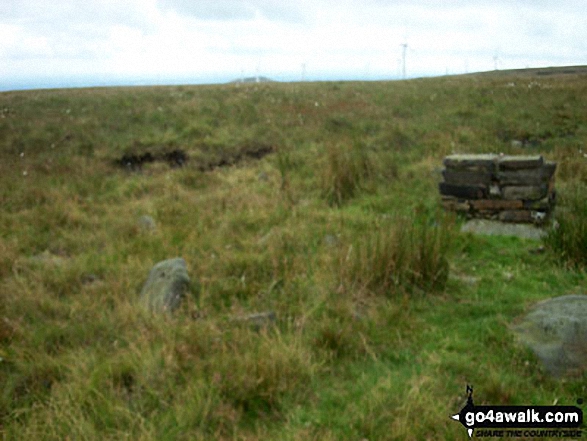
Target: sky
76, 43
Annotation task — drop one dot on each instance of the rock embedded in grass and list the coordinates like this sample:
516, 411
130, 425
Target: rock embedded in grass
166, 286
147, 223
556, 331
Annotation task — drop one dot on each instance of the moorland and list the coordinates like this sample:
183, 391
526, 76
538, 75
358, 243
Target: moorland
316, 201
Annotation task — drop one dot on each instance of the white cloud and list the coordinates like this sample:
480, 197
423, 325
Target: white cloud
334, 38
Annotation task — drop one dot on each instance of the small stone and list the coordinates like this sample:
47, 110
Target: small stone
166, 286
147, 223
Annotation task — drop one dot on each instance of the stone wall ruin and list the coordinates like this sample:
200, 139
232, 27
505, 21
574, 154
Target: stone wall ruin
505, 188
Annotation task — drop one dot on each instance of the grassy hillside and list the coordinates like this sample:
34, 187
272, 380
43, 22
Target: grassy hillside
317, 201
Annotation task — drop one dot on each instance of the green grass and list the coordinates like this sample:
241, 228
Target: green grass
337, 231
568, 238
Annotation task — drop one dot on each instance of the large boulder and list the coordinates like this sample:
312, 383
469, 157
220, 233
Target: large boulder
166, 286
556, 331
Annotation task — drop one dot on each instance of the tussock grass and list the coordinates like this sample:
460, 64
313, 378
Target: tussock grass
567, 237
400, 256
347, 172
371, 343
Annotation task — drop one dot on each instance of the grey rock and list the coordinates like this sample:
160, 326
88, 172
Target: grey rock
147, 223
495, 228
556, 331
166, 286
527, 176
525, 193
520, 162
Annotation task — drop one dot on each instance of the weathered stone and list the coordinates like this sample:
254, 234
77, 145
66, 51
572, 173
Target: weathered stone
471, 162
509, 188
556, 331
465, 177
147, 223
525, 192
528, 176
166, 286
454, 204
496, 204
516, 216
463, 191
496, 228
519, 162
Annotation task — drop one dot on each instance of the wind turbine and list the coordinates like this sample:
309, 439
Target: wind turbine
404, 49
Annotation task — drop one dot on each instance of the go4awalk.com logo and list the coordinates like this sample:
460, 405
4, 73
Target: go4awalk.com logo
520, 421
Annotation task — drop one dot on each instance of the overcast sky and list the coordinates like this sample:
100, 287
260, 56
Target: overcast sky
99, 42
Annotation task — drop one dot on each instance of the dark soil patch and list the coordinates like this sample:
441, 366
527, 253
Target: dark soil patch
178, 158
135, 162
249, 152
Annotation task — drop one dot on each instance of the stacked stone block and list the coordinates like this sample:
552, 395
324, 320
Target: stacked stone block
505, 188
